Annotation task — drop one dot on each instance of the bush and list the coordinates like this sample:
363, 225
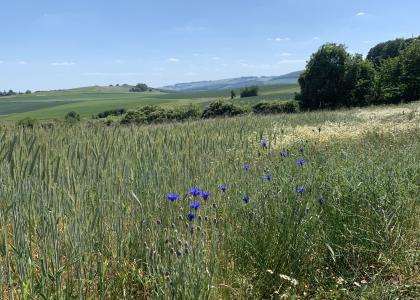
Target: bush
265, 107
289, 107
249, 92
152, 114
27, 122
72, 117
222, 108
112, 112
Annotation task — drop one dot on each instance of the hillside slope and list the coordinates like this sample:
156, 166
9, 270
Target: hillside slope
234, 83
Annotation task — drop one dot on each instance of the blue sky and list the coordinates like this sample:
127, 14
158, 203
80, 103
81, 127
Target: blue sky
62, 44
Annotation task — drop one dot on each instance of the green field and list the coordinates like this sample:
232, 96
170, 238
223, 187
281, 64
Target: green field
84, 212
92, 100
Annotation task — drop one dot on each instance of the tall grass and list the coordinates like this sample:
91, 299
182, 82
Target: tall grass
84, 214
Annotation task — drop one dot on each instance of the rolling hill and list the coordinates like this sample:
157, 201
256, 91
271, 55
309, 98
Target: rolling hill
234, 83
88, 101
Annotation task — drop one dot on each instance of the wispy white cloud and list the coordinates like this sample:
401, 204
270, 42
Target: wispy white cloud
286, 54
1, 61
361, 13
22, 62
315, 38
63, 64
119, 61
290, 61
216, 58
278, 39
173, 60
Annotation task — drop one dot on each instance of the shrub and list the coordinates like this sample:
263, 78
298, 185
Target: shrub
27, 122
222, 108
72, 117
111, 120
265, 107
150, 114
249, 92
112, 112
289, 107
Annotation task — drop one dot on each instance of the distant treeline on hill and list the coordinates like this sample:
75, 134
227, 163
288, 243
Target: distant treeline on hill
334, 78
139, 88
11, 93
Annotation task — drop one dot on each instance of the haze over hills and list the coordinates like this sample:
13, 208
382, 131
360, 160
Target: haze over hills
234, 83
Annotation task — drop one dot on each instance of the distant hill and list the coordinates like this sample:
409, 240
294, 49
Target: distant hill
234, 83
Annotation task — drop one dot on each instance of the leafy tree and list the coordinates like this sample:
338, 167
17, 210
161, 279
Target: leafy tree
359, 81
249, 92
28, 92
385, 50
334, 78
388, 49
410, 71
323, 83
391, 89
232, 94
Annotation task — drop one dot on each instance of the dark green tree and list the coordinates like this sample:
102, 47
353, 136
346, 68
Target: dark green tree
249, 92
385, 50
389, 49
359, 81
232, 94
323, 83
390, 87
410, 71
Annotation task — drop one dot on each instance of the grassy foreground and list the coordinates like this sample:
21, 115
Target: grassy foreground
84, 210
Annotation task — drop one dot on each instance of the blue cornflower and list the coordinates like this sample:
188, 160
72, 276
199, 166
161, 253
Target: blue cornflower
300, 190
301, 150
321, 200
264, 143
301, 162
223, 188
191, 216
246, 167
195, 205
172, 197
267, 177
285, 153
245, 199
205, 195
195, 192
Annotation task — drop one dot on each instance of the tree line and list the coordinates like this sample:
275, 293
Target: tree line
12, 93
333, 78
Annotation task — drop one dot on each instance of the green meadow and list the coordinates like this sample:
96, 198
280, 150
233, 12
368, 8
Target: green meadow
326, 208
92, 100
